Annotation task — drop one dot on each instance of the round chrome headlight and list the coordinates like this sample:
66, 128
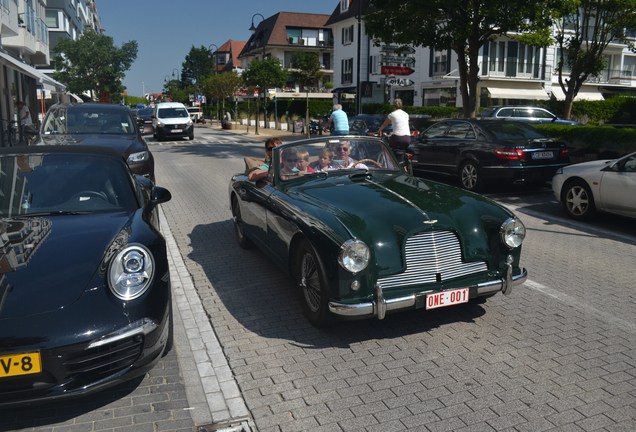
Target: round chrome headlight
354, 255
512, 232
131, 272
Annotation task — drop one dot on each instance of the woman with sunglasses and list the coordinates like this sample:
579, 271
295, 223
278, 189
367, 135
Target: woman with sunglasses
262, 171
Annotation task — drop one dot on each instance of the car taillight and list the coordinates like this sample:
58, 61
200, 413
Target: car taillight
415, 133
564, 153
510, 154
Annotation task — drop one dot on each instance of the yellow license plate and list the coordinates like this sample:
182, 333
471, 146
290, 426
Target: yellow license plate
20, 364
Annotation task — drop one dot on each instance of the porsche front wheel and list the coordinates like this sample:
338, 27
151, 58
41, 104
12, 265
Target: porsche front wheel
313, 290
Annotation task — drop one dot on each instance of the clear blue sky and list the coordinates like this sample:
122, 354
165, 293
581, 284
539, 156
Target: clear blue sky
166, 30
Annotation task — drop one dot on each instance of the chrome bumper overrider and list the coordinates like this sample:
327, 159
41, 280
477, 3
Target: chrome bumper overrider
380, 306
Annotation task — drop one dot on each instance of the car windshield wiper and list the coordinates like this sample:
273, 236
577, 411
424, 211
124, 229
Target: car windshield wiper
58, 213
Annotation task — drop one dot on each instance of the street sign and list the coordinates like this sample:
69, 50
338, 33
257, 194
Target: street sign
397, 60
400, 49
402, 82
396, 70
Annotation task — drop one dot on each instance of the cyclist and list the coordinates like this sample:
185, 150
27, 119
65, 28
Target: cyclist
401, 136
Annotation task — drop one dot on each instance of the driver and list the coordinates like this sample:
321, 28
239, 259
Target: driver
342, 158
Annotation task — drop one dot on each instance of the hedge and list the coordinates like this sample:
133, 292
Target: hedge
593, 142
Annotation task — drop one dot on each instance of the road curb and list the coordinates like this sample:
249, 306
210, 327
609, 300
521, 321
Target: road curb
213, 395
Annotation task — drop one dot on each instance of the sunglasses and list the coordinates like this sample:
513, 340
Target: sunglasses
343, 148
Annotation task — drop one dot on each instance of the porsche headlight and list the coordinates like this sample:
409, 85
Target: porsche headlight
512, 232
131, 272
354, 255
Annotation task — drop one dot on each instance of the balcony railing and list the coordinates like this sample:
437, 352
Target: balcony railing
614, 76
312, 43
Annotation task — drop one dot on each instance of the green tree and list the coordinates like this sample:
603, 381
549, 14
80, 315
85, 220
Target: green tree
463, 26
306, 71
197, 66
93, 64
264, 74
222, 86
584, 30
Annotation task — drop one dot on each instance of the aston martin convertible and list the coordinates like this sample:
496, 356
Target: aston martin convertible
362, 238
85, 300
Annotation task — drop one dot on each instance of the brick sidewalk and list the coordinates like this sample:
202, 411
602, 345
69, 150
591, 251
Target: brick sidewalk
262, 132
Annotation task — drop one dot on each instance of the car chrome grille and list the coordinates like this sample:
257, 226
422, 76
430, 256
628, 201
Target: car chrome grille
432, 257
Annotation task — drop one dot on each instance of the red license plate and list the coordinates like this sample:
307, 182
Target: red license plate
447, 298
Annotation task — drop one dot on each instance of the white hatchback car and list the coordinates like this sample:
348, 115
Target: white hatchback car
588, 187
172, 120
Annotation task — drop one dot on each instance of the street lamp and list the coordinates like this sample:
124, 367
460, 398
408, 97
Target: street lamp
252, 27
252, 30
173, 75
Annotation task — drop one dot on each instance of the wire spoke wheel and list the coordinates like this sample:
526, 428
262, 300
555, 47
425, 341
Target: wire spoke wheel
314, 294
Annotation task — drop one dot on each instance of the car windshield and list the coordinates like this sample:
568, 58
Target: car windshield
172, 113
332, 157
193, 110
63, 183
504, 130
146, 112
88, 120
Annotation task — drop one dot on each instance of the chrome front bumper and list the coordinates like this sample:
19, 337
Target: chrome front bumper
380, 306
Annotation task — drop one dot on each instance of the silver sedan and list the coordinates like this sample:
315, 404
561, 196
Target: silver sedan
603, 185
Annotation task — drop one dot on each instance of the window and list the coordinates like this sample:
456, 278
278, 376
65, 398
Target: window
52, 19
347, 71
347, 35
374, 65
294, 35
344, 5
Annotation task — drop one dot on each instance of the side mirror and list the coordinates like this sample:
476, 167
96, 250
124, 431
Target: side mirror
159, 195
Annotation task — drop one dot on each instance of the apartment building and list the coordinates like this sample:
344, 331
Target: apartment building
24, 45
510, 72
285, 33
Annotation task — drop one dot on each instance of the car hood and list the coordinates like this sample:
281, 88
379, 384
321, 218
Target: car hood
591, 166
124, 144
383, 211
48, 262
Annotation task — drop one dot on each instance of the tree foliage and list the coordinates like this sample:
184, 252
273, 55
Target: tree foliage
265, 74
584, 30
222, 86
197, 67
306, 69
93, 64
463, 26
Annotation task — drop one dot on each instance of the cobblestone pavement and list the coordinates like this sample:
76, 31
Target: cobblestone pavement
559, 354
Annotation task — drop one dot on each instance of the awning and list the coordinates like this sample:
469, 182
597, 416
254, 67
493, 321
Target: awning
344, 90
585, 93
515, 90
33, 72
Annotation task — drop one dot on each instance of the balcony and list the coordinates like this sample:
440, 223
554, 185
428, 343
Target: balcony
532, 71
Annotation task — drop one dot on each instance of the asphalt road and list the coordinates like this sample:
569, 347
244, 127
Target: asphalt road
558, 354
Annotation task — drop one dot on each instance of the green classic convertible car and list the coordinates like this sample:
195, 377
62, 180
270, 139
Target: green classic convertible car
363, 238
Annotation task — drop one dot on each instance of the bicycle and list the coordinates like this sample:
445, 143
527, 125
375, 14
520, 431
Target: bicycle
9, 134
402, 155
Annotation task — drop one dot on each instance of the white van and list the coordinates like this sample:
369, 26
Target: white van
172, 120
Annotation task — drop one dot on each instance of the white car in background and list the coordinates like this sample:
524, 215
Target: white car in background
602, 185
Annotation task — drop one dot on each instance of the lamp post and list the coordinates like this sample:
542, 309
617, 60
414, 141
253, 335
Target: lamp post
252, 30
214, 72
178, 74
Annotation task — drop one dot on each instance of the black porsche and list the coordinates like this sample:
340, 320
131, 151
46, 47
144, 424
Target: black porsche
85, 298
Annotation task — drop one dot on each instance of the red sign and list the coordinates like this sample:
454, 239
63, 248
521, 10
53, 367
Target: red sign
396, 70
